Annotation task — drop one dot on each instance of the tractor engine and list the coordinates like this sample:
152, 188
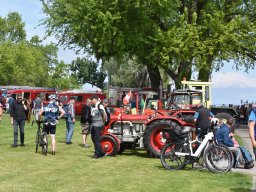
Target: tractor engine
128, 132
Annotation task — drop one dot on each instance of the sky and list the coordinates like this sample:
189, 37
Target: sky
228, 85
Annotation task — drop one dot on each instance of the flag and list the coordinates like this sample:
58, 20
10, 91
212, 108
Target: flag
127, 97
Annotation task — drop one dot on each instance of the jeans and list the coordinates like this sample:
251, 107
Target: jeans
16, 126
239, 160
254, 151
69, 130
95, 134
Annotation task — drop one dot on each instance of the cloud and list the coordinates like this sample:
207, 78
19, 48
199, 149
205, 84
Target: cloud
233, 79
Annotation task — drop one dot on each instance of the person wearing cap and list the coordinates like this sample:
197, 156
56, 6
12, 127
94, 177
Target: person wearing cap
252, 127
51, 117
18, 117
70, 120
98, 120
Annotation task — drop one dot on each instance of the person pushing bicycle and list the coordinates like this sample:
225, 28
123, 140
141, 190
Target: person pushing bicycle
52, 113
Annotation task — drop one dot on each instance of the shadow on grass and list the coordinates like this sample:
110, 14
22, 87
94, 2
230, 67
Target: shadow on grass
187, 168
127, 153
242, 190
135, 152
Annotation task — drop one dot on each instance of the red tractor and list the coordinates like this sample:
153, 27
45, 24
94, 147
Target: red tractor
142, 130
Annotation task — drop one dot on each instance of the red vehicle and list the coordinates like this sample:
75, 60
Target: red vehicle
143, 129
80, 97
30, 93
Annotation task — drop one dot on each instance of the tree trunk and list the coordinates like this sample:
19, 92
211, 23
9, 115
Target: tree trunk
204, 74
184, 70
154, 76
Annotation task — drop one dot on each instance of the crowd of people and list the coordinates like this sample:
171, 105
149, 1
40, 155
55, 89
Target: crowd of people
95, 114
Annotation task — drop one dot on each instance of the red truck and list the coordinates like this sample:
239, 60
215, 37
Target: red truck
30, 93
80, 97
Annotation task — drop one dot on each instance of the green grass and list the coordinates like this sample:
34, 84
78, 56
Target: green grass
73, 169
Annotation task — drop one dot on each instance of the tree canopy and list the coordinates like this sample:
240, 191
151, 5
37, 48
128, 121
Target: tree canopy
32, 63
171, 35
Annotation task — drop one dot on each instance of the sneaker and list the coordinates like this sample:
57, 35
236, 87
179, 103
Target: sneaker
95, 156
87, 145
68, 143
14, 145
53, 152
249, 165
105, 155
22, 145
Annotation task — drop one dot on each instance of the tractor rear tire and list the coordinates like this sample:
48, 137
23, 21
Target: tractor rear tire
152, 138
109, 145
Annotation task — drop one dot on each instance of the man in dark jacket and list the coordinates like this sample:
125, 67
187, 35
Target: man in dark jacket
202, 119
86, 120
18, 114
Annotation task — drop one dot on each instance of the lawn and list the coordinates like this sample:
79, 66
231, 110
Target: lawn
73, 169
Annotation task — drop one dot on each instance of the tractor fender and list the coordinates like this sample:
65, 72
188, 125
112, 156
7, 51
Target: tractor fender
115, 137
178, 121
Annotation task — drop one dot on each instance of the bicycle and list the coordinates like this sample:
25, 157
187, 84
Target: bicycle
41, 138
179, 151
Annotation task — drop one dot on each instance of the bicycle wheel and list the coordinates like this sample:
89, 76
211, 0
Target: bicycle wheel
168, 158
38, 136
231, 155
45, 143
217, 159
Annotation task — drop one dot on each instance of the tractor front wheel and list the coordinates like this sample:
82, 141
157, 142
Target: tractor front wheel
109, 145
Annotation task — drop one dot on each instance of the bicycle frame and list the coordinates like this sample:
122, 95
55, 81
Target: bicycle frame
41, 135
208, 137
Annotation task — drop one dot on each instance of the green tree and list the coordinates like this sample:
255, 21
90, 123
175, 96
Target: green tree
30, 62
88, 71
12, 28
61, 78
206, 34
109, 28
126, 72
172, 35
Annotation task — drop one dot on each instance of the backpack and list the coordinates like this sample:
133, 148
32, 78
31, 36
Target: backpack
249, 162
108, 117
107, 114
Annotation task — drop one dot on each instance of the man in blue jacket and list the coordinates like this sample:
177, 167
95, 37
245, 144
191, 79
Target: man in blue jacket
223, 136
